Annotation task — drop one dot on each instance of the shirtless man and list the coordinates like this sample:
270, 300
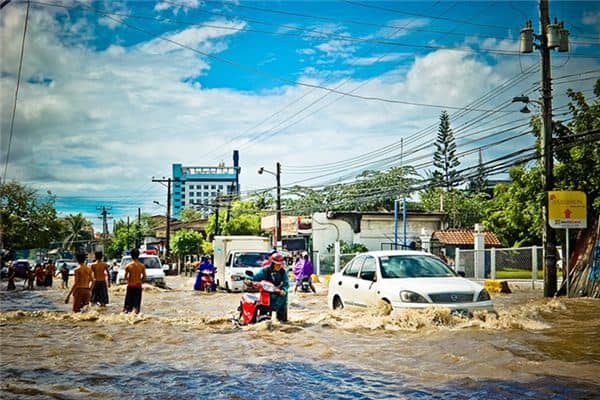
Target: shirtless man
101, 285
81, 289
135, 274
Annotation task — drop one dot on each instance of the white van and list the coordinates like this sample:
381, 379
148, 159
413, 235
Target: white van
154, 270
236, 254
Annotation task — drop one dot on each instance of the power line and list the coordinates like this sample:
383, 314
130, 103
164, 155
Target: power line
255, 137
416, 136
14, 110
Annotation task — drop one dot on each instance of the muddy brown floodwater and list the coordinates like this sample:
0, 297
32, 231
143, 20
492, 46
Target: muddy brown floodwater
184, 346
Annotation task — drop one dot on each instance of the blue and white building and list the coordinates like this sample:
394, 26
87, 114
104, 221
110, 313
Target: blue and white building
197, 187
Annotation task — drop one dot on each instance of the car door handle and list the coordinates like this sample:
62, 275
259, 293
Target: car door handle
356, 286
340, 283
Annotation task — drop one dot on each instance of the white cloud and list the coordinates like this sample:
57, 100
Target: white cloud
201, 38
306, 51
378, 59
180, 5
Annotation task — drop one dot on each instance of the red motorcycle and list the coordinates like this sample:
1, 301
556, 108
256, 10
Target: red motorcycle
256, 307
206, 280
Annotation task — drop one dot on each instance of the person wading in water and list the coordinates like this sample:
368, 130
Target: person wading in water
101, 273
135, 274
81, 289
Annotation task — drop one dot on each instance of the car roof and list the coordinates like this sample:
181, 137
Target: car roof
384, 253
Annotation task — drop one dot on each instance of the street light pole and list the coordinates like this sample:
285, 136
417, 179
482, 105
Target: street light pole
552, 36
277, 175
549, 237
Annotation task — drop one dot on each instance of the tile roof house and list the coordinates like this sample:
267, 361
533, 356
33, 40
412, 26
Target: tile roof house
464, 237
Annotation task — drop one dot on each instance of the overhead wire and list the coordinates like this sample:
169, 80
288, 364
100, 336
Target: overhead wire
419, 134
18, 83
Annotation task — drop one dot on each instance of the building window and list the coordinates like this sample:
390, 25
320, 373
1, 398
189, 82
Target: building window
206, 194
213, 187
205, 187
221, 187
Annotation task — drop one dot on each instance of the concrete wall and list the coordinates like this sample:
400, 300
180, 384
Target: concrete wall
326, 231
374, 230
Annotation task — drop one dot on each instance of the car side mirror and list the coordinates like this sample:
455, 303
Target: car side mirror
461, 273
249, 273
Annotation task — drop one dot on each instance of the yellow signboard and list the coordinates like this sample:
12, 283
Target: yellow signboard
567, 210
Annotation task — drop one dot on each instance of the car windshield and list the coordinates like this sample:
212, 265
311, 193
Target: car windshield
413, 266
149, 262
251, 260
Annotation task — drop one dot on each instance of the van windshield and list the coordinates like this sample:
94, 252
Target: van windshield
250, 259
149, 262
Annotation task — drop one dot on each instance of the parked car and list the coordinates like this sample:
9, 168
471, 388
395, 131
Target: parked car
404, 279
21, 268
154, 270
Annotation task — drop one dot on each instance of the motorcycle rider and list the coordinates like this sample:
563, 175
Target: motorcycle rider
277, 275
304, 270
204, 267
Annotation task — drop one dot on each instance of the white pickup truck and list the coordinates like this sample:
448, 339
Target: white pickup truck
234, 255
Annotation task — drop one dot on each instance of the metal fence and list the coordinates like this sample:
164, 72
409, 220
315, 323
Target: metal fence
326, 262
503, 263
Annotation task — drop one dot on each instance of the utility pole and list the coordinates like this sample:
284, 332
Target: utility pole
217, 213
550, 284
552, 36
278, 176
138, 239
104, 217
168, 233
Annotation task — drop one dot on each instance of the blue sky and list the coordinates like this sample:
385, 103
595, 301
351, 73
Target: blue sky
112, 93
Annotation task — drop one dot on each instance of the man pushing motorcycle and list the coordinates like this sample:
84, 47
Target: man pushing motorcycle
278, 276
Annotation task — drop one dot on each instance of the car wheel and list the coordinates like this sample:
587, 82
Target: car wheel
337, 303
384, 307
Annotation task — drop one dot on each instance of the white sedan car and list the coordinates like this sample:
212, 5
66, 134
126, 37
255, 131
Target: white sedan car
404, 279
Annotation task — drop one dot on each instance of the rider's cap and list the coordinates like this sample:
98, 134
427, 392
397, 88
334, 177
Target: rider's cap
277, 258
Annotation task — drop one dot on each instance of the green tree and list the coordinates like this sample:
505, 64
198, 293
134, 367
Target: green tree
244, 219
577, 149
186, 242
444, 158
463, 209
27, 219
189, 214
479, 183
76, 230
124, 238
514, 213
372, 190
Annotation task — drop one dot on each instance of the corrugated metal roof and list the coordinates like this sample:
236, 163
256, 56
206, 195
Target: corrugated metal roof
464, 237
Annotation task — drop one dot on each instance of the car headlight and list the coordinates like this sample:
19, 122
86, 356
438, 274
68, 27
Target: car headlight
483, 296
237, 278
411, 297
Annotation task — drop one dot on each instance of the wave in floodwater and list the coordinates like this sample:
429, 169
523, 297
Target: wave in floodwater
525, 317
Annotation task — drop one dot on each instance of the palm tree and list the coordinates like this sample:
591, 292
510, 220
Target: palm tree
77, 229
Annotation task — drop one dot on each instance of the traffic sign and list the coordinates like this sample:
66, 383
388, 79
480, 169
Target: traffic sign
567, 210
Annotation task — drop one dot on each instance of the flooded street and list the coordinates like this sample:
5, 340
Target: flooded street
184, 345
